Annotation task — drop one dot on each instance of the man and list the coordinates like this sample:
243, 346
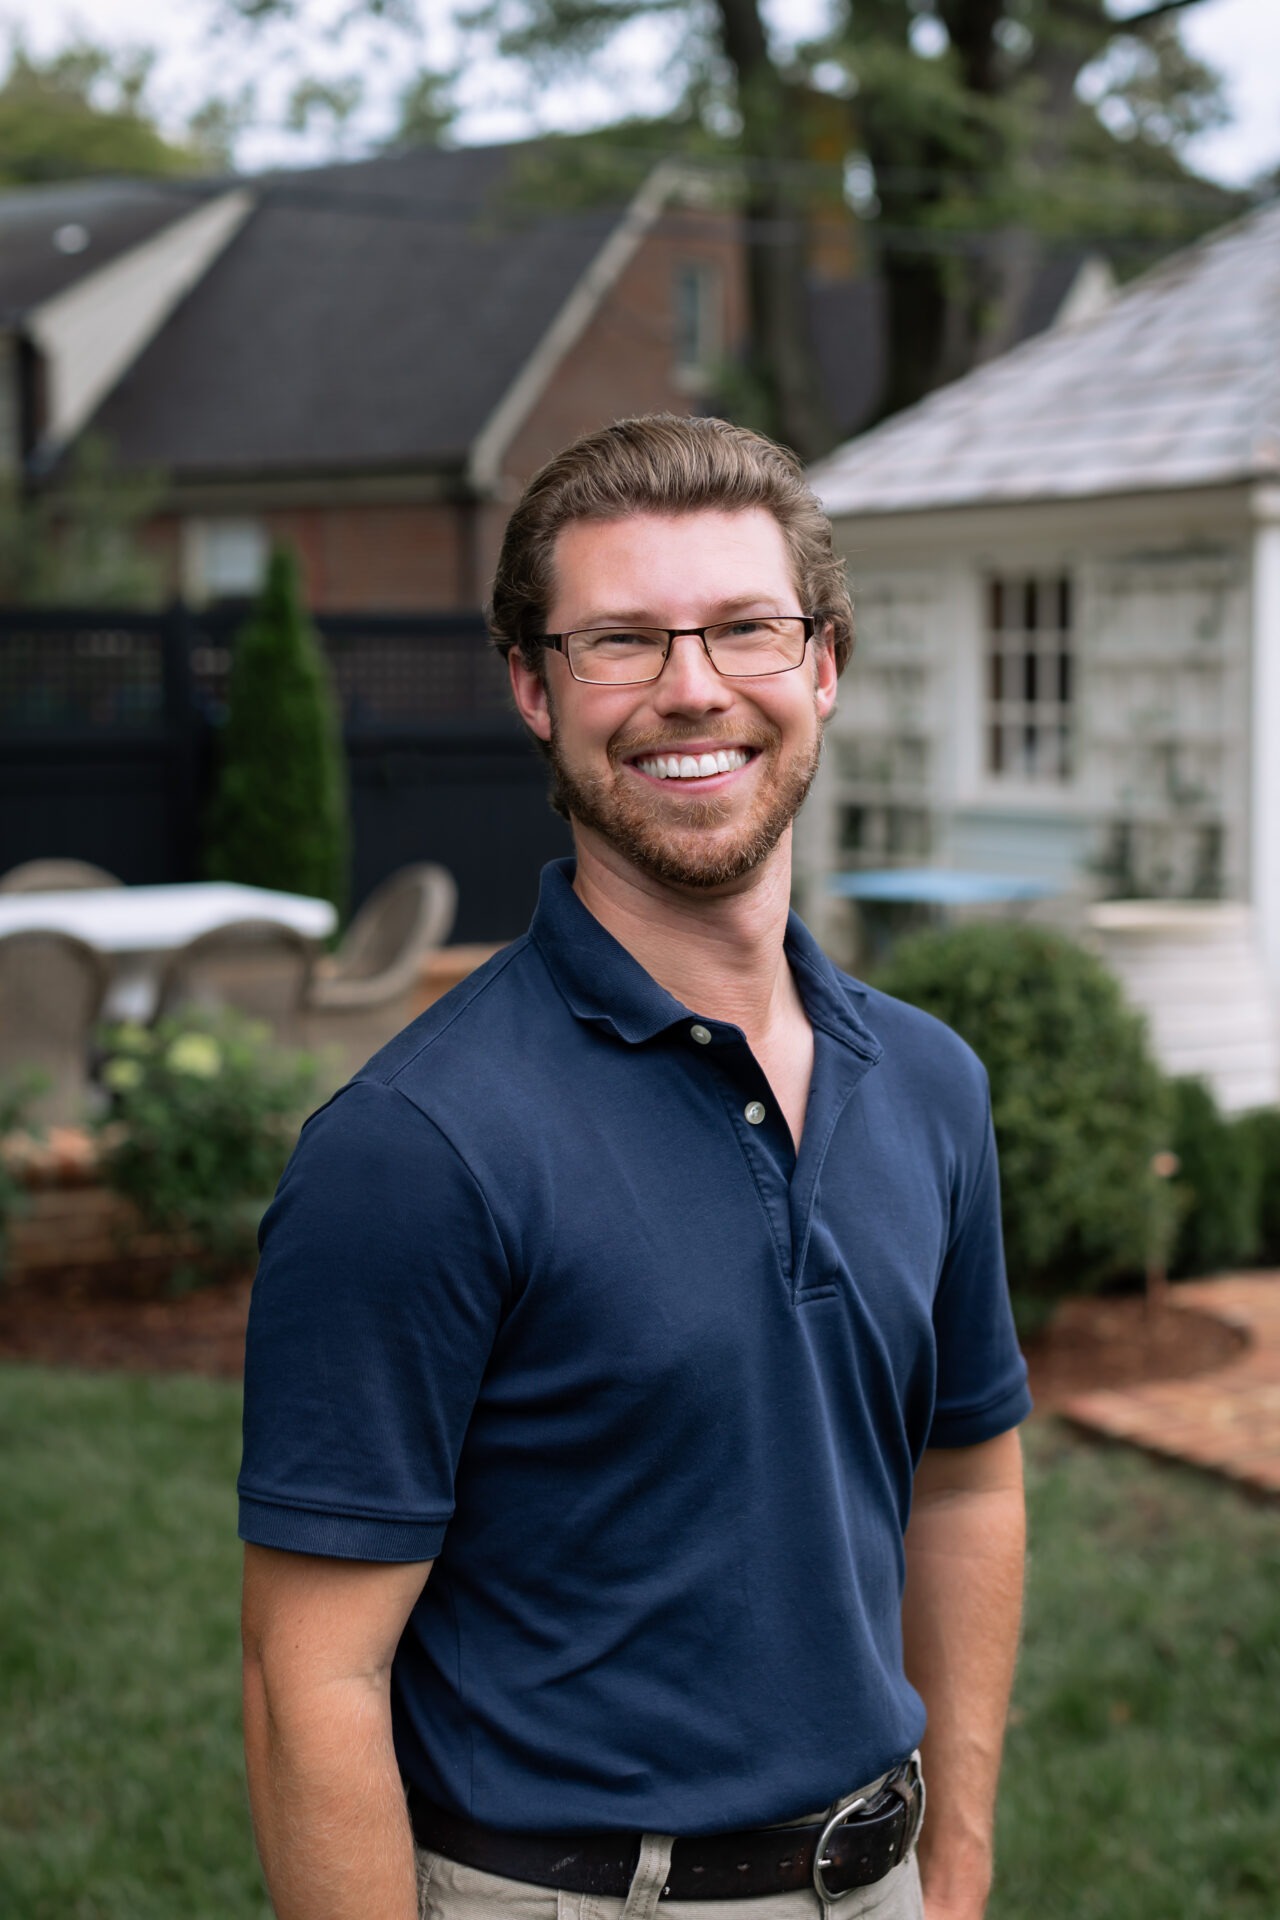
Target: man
614, 1321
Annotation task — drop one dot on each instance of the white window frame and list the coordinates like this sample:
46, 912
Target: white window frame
1029, 681
223, 558
697, 335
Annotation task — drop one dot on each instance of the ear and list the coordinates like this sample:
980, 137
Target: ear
826, 674
529, 689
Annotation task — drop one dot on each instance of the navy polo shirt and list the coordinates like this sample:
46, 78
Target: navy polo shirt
547, 1295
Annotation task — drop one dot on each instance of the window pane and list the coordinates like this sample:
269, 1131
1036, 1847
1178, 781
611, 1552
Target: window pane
1029, 606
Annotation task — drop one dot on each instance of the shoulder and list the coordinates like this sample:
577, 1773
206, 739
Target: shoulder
919, 1052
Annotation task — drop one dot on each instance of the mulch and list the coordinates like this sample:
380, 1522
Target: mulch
126, 1316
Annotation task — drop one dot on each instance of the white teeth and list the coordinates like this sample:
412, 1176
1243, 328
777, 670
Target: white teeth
688, 766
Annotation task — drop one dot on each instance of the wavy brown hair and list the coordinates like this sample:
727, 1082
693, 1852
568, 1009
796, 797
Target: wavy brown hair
663, 463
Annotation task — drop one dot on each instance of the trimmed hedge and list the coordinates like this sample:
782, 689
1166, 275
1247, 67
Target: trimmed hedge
1263, 1129
1220, 1181
1080, 1106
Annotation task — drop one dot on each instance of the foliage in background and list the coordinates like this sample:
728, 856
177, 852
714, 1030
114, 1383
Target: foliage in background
1220, 1179
204, 1114
279, 812
1079, 1104
1261, 1130
971, 138
82, 112
82, 545
16, 1097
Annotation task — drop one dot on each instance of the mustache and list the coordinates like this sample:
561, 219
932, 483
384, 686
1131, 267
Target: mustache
671, 738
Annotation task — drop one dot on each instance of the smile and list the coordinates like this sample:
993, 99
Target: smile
693, 766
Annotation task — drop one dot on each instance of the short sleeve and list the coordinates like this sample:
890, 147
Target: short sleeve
379, 1293
982, 1377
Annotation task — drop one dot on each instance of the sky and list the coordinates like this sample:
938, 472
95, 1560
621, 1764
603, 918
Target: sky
1241, 37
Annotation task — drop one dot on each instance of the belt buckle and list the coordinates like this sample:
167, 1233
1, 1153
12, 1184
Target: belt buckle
909, 1789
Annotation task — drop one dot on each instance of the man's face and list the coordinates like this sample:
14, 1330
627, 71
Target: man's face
612, 748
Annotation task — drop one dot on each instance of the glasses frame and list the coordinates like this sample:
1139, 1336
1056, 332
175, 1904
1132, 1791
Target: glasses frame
559, 643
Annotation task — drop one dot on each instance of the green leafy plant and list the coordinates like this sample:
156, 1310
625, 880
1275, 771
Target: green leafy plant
1080, 1106
1262, 1130
16, 1097
1220, 1177
279, 812
203, 1115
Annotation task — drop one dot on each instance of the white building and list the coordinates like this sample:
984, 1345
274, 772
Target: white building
1066, 569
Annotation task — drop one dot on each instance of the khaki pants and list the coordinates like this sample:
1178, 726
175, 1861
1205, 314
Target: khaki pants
447, 1891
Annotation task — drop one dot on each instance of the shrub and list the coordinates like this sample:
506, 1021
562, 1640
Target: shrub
16, 1098
203, 1116
279, 813
1263, 1129
1079, 1104
1220, 1177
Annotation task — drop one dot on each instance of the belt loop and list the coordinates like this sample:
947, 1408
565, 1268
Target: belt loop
649, 1878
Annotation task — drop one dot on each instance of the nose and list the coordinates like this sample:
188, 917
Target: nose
688, 682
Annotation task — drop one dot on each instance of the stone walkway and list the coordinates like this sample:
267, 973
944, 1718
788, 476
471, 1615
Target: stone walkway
1227, 1421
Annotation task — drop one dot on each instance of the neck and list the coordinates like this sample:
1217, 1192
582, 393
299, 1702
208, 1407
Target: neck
720, 952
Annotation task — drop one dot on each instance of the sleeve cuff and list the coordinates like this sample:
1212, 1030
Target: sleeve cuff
970, 1426
338, 1536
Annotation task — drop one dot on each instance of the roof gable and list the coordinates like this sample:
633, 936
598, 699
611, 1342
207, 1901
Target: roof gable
115, 215
367, 317
1175, 384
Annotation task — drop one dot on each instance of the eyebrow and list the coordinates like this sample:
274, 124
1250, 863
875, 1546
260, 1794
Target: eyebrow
762, 603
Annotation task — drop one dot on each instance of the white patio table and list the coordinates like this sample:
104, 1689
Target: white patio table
137, 927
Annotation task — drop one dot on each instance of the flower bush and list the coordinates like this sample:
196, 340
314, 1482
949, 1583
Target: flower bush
203, 1114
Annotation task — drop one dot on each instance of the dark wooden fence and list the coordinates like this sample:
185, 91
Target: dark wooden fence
108, 741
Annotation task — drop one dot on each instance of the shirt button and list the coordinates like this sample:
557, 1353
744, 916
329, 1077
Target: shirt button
753, 1112
701, 1034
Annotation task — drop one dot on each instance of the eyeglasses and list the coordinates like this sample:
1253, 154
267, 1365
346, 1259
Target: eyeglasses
738, 649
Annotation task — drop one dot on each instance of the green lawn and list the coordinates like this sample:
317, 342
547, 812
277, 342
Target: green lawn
1143, 1758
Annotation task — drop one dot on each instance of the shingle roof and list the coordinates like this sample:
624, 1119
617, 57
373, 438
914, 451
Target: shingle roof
115, 214
367, 316
1177, 384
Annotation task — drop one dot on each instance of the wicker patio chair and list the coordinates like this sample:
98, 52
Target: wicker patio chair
258, 967
364, 993
55, 876
51, 989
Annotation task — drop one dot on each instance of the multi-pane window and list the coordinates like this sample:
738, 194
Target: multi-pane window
1030, 693
695, 300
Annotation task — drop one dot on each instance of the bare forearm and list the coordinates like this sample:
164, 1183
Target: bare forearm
328, 1807
960, 1625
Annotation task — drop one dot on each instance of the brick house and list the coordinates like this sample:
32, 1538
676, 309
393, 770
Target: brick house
366, 360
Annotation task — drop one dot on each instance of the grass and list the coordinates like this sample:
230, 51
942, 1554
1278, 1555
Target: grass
1144, 1750
1142, 1757
121, 1789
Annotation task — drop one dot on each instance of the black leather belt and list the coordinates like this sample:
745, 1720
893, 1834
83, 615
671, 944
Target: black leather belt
854, 1848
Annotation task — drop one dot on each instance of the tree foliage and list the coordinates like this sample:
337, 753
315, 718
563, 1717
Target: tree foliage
82, 112
80, 546
973, 133
279, 813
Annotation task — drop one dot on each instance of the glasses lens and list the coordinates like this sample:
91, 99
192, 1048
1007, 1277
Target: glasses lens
757, 645
618, 655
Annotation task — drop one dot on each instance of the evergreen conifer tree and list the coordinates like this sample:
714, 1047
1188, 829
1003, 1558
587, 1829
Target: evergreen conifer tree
279, 813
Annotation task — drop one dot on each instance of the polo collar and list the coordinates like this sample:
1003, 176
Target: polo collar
606, 986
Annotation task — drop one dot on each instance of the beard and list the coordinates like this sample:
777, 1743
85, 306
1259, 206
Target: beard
702, 848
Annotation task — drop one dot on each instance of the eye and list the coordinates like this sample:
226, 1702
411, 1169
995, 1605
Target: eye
619, 639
